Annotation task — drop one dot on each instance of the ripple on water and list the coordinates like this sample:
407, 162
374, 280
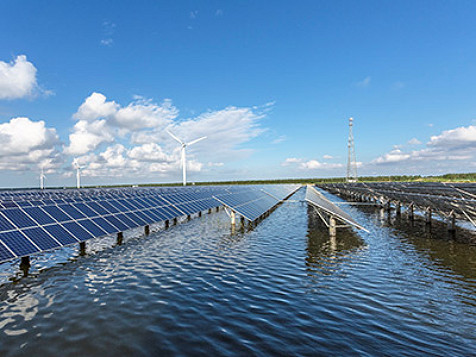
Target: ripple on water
282, 288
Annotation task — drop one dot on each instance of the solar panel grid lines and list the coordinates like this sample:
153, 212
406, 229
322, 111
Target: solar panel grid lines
49, 219
315, 198
443, 198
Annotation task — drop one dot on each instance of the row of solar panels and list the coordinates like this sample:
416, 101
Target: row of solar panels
46, 224
318, 200
441, 197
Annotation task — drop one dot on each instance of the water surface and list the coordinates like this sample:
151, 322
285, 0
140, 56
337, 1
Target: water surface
282, 288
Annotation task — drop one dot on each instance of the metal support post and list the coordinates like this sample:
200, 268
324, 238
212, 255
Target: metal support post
120, 238
398, 208
428, 215
25, 265
452, 222
332, 226
166, 223
82, 248
410, 212
147, 230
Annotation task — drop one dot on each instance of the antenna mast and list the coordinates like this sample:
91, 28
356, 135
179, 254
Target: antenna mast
351, 161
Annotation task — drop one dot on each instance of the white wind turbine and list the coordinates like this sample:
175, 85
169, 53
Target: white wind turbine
78, 172
183, 155
42, 179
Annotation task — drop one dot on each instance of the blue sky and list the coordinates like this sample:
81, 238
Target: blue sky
271, 84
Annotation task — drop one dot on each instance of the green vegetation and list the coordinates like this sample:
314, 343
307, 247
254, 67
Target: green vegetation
467, 177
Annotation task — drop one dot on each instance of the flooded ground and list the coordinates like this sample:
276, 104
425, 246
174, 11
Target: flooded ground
281, 288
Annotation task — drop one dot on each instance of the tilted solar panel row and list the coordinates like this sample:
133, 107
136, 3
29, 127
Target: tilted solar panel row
37, 221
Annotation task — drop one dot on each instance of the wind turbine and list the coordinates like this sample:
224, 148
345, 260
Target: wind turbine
183, 155
42, 179
78, 172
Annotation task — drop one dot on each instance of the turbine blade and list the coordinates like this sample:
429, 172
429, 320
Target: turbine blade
173, 136
196, 140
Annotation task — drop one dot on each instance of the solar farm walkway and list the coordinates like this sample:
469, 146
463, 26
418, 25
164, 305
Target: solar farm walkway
36, 221
450, 201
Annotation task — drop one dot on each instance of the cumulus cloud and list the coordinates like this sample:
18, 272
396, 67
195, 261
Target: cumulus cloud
327, 157
447, 149
314, 165
414, 141
462, 137
112, 139
17, 78
101, 121
26, 143
310, 164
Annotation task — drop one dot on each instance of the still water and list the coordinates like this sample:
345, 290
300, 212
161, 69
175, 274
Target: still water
282, 288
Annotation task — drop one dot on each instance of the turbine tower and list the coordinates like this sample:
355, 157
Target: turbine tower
78, 172
183, 154
42, 179
351, 161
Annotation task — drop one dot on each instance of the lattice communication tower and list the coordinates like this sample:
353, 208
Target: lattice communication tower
351, 161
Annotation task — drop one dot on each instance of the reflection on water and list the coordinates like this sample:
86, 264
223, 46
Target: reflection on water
280, 288
326, 252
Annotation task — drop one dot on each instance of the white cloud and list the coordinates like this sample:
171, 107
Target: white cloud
279, 139
17, 79
445, 150
462, 137
88, 136
137, 142
314, 165
327, 157
27, 143
291, 160
108, 29
365, 82
414, 141
310, 164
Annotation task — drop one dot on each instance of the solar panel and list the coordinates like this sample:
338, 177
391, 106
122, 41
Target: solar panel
77, 231
57, 213
18, 243
61, 234
19, 218
318, 200
32, 221
41, 238
5, 254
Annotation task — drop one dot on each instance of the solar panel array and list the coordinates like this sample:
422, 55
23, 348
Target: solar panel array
35, 221
317, 199
444, 198
253, 203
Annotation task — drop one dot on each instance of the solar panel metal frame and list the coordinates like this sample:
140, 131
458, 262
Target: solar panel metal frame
315, 198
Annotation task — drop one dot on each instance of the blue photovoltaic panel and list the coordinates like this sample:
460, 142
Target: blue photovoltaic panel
124, 219
39, 215
146, 218
117, 223
19, 218
56, 213
77, 231
5, 253
61, 234
72, 212
88, 212
41, 238
109, 228
109, 207
98, 208
18, 243
92, 228
136, 219
122, 208
5, 225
